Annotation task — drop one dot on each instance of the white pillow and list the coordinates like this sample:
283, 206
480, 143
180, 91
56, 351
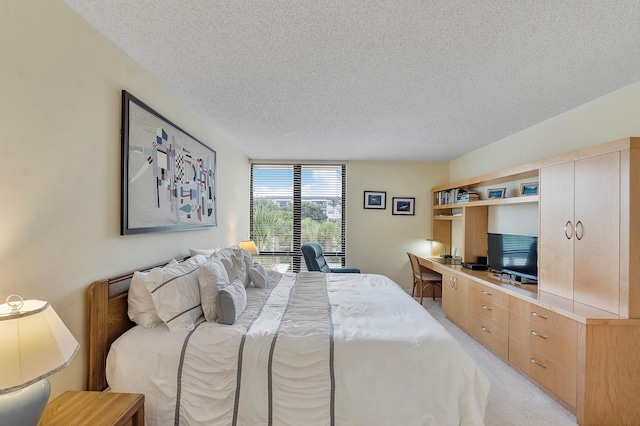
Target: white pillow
176, 296
141, 309
196, 259
212, 277
232, 300
204, 251
259, 276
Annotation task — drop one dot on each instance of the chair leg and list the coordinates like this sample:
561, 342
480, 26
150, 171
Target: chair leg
421, 290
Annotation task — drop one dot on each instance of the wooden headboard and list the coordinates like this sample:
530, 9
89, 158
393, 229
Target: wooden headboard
108, 319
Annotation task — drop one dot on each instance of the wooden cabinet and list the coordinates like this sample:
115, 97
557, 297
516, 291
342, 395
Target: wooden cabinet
579, 245
544, 346
455, 289
490, 317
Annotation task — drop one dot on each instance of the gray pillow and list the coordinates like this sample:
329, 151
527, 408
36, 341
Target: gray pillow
259, 276
231, 302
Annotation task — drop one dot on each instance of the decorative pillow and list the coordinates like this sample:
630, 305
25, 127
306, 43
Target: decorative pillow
204, 251
259, 276
212, 277
141, 309
176, 296
236, 261
232, 300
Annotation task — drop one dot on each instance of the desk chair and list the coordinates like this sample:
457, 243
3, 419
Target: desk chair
314, 258
423, 277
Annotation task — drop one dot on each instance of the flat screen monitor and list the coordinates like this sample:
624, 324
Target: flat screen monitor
516, 255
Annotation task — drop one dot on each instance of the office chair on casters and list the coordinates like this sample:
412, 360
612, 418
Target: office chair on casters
423, 277
314, 258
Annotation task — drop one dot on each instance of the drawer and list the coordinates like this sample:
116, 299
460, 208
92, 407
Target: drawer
552, 346
496, 316
495, 339
482, 292
555, 378
552, 321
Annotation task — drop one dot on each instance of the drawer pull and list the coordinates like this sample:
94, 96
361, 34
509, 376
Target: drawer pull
535, 314
487, 293
538, 335
487, 308
485, 329
533, 360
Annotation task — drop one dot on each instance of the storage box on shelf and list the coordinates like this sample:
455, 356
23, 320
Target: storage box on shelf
576, 334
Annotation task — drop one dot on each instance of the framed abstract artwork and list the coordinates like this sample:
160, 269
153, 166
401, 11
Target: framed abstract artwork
375, 200
403, 206
168, 176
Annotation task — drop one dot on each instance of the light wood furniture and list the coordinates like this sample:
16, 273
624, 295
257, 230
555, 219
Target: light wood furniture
577, 333
423, 278
95, 408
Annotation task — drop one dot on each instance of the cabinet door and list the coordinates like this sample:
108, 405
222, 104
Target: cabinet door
448, 295
555, 243
463, 313
597, 239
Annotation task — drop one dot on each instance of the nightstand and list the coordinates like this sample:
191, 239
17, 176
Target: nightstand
95, 408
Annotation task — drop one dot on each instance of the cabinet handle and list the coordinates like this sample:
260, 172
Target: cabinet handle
487, 308
535, 314
487, 293
533, 360
485, 329
581, 230
455, 282
568, 230
538, 334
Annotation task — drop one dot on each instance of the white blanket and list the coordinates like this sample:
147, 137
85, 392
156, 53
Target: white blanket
315, 349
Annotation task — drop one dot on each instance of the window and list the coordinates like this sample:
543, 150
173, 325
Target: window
295, 203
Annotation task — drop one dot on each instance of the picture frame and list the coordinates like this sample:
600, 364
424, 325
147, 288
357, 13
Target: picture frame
168, 177
496, 193
404, 206
530, 188
375, 200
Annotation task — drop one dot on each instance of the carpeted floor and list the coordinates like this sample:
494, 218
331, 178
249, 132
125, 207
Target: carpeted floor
513, 400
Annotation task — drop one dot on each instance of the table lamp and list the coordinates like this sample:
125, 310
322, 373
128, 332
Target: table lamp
34, 343
249, 246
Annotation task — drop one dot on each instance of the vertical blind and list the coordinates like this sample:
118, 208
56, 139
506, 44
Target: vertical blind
295, 203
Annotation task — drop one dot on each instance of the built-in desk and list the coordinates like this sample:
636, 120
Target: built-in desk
585, 358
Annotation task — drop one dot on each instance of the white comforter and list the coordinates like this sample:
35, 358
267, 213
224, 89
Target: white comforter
316, 349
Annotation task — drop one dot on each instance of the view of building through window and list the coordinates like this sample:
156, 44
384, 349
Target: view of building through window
295, 203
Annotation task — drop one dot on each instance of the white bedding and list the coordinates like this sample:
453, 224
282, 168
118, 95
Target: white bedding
313, 349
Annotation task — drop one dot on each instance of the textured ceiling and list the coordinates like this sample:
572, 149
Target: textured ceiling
375, 80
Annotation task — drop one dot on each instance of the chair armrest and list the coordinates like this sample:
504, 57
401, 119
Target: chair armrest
345, 270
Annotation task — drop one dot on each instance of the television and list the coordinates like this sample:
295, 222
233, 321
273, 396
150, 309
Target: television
513, 255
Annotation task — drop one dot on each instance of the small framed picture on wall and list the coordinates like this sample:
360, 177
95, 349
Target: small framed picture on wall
375, 200
403, 206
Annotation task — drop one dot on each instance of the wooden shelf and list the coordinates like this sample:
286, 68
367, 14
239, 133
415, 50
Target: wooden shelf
525, 199
448, 217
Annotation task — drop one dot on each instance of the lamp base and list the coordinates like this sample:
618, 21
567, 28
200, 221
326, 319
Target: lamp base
25, 406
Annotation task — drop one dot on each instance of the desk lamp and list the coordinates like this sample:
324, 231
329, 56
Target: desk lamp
34, 343
445, 255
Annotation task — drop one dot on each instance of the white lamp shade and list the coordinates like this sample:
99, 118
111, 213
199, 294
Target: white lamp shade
34, 344
249, 246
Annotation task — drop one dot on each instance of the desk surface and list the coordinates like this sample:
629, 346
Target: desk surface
529, 292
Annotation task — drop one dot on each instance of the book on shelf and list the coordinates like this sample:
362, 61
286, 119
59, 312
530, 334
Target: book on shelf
455, 195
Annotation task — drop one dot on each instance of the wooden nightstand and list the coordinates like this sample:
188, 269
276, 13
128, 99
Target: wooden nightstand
95, 408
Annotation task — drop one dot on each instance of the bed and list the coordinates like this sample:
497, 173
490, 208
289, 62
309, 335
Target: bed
308, 349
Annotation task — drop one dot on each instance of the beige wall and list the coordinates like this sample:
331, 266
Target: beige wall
60, 106
377, 241
608, 118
